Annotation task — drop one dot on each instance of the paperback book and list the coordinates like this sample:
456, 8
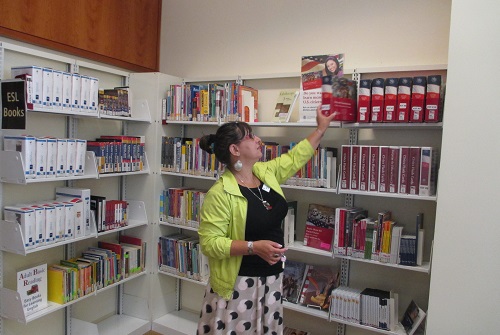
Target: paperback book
32, 288
293, 279
284, 105
320, 226
318, 286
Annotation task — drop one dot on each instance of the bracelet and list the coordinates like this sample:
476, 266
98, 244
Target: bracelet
250, 247
320, 132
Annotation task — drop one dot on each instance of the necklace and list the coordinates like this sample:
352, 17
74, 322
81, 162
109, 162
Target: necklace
266, 204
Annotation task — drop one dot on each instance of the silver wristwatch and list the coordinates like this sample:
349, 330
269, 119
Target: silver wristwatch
250, 247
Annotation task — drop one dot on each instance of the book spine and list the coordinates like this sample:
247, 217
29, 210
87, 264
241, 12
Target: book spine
345, 169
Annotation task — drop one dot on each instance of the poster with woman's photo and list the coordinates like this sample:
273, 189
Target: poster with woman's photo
313, 68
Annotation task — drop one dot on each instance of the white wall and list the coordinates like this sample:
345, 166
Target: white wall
464, 295
229, 37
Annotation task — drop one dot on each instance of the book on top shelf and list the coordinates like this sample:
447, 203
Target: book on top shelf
318, 286
293, 279
320, 226
248, 102
313, 68
285, 104
32, 288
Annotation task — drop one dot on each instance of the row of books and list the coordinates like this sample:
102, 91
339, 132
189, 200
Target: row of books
115, 101
46, 222
211, 102
389, 169
96, 268
181, 255
109, 214
370, 307
407, 99
380, 239
309, 285
118, 153
184, 155
181, 206
48, 157
49, 88
349, 231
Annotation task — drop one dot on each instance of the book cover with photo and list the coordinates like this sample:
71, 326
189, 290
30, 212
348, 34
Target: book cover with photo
293, 279
313, 68
318, 286
320, 226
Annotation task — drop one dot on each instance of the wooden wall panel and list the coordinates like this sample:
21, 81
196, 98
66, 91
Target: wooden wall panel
117, 32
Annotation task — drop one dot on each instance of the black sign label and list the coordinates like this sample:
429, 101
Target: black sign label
13, 104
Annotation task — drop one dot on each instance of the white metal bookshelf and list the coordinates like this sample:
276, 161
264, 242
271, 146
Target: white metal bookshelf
132, 315
180, 316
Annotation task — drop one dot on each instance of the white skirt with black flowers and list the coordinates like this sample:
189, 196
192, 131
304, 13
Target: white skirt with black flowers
255, 308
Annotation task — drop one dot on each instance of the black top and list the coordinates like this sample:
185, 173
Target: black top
263, 224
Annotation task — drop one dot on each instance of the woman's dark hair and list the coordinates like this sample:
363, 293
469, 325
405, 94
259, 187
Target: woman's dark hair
328, 72
227, 134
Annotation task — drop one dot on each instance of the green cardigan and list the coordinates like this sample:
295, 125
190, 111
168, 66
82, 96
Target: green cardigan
224, 213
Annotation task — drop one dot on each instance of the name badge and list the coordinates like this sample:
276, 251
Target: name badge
266, 188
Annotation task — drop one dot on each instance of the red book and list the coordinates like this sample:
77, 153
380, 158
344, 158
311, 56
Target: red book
404, 99
418, 99
345, 167
383, 184
338, 241
374, 168
433, 99
320, 226
364, 168
377, 107
414, 171
404, 159
393, 170
355, 156
364, 100
390, 99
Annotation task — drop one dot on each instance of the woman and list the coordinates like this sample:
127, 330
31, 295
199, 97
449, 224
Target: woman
332, 66
240, 230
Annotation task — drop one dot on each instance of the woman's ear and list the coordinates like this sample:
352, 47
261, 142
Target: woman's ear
234, 150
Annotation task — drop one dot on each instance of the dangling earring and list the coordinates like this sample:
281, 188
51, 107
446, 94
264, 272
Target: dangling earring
238, 165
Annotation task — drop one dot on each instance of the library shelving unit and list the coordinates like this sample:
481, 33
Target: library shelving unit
165, 302
354, 271
121, 304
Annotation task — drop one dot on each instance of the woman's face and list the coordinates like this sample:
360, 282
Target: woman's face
250, 147
331, 65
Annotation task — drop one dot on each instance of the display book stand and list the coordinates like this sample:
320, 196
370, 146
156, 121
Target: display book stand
185, 322
11, 239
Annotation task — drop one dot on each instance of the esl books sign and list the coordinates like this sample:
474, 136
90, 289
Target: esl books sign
13, 104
